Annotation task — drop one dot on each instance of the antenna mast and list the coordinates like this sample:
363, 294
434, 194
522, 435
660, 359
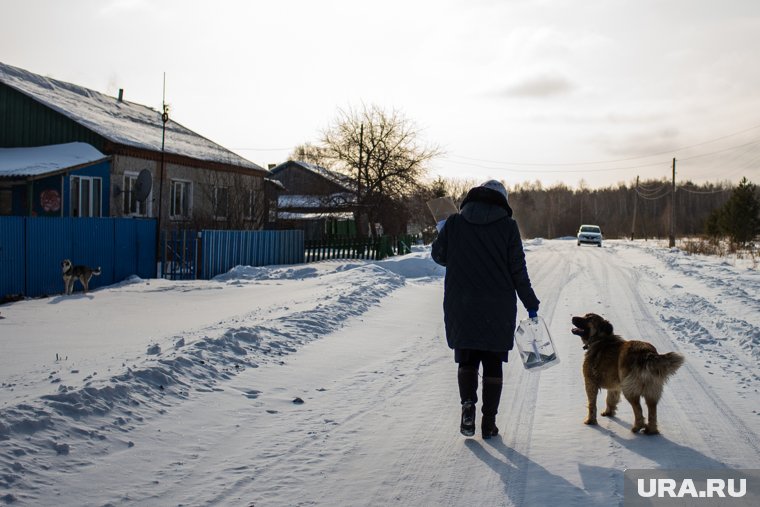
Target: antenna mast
164, 120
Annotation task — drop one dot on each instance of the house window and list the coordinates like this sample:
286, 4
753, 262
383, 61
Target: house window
272, 210
86, 196
250, 206
221, 203
181, 199
133, 207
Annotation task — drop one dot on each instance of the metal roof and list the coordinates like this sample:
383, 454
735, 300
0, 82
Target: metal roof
119, 121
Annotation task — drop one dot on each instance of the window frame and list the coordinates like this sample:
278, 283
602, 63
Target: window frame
250, 211
186, 202
94, 198
215, 204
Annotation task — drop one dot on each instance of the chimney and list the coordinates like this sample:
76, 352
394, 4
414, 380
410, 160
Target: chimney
121, 94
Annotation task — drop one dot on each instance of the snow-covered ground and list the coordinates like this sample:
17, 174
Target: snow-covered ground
331, 384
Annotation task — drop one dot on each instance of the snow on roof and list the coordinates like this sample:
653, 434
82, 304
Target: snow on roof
337, 178
121, 122
287, 215
43, 160
315, 201
276, 183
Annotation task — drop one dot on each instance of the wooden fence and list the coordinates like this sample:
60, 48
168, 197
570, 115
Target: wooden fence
357, 248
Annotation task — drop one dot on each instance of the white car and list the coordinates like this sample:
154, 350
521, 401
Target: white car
590, 234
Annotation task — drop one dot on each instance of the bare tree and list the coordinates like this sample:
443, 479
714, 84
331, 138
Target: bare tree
382, 153
230, 201
307, 152
456, 188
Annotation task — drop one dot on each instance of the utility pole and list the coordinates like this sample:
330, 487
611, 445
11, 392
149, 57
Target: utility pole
164, 120
635, 202
359, 212
361, 150
672, 241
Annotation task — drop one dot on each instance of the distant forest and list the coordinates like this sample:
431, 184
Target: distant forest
557, 211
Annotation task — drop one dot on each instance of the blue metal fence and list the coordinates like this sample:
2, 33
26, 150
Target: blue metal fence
223, 250
32, 248
12, 255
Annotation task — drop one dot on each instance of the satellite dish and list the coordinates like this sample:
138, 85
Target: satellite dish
143, 185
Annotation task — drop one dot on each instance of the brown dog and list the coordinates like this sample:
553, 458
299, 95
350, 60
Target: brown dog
633, 367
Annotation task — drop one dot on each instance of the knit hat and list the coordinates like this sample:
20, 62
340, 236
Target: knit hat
495, 185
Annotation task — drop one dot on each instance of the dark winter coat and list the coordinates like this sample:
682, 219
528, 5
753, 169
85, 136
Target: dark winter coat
485, 266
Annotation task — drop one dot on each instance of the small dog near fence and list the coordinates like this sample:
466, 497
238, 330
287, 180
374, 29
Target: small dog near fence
72, 273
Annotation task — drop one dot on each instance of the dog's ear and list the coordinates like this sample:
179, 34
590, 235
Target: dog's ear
606, 327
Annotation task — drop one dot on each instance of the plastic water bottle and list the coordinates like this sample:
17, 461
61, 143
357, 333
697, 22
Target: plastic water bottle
534, 342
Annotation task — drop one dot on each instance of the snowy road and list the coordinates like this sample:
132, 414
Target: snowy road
379, 420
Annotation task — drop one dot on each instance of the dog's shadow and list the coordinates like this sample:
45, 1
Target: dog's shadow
661, 450
514, 469
63, 297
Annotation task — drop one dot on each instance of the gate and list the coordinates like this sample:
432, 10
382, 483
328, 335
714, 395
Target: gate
191, 255
179, 255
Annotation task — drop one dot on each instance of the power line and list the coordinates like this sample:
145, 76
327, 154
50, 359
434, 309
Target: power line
720, 151
652, 197
647, 188
704, 192
563, 171
564, 164
607, 169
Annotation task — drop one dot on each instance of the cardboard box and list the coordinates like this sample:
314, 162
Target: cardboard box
442, 208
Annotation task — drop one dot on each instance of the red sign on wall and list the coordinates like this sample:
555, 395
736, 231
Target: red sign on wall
50, 200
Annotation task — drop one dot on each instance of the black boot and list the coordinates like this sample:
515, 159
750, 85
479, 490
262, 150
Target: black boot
491, 398
467, 426
468, 393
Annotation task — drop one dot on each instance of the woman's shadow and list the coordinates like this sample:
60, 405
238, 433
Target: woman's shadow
528, 483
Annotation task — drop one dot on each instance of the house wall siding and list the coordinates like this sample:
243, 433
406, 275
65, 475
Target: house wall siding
203, 182
121, 165
25, 122
51, 196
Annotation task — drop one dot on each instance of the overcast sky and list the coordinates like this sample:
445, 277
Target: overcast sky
593, 91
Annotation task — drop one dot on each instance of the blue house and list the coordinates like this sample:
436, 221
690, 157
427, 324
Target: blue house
61, 180
194, 182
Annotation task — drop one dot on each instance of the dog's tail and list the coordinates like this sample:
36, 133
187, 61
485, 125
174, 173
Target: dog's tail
664, 365
96, 271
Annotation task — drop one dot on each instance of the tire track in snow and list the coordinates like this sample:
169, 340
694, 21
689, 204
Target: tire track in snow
522, 387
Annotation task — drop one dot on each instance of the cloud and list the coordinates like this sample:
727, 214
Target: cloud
540, 86
651, 142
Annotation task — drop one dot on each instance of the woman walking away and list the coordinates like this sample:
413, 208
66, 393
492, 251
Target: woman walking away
485, 267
